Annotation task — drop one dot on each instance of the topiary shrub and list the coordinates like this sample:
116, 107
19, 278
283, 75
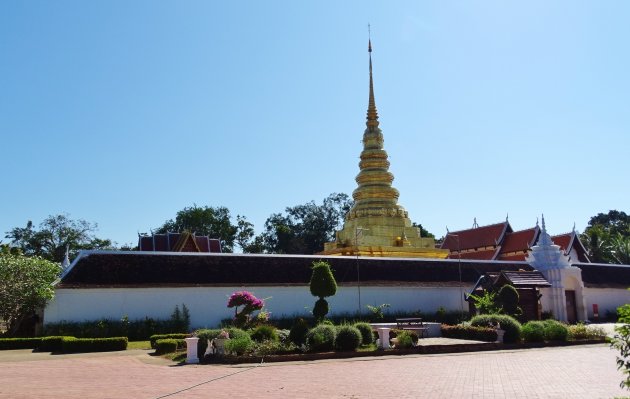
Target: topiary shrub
239, 345
298, 332
264, 333
509, 324
348, 338
508, 299
322, 285
555, 331
321, 338
51, 344
533, 331
165, 345
367, 335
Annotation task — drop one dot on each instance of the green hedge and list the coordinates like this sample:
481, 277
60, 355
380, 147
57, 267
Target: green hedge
19, 343
51, 344
155, 337
75, 345
135, 330
486, 334
165, 345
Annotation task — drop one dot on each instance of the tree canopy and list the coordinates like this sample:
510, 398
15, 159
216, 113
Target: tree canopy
25, 286
304, 229
214, 222
54, 235
607, 237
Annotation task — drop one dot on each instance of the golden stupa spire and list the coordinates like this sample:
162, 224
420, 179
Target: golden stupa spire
372, 115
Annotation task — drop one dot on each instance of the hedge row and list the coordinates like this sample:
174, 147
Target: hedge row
155, 337
165, 345
65, 344
19, 343
486, 334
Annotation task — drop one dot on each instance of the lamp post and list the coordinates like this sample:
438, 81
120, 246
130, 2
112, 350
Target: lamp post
357, 231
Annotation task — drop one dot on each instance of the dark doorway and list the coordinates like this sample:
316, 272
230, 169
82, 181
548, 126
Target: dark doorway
571, 308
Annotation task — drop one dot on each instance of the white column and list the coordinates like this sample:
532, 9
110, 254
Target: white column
383, 336
191, 350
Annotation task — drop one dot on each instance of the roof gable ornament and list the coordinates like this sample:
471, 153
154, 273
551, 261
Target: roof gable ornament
475, 225
66, 260
546, 255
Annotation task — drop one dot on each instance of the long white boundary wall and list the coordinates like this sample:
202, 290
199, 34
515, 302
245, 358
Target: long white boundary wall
607, 299
208, 305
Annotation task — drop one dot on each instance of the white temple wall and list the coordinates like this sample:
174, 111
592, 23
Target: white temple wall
607, 299
208, 305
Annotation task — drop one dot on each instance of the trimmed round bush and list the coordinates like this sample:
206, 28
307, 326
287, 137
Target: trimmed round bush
555, 331
348, 338
298, 332
166, 345
511, 326
367, 336
533, 331
264, 333
239, 345
321, 338
155, 337
405, 340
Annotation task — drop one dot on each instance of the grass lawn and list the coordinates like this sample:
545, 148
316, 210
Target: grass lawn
139, 345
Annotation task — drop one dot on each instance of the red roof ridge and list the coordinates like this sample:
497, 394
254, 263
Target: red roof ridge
479, 227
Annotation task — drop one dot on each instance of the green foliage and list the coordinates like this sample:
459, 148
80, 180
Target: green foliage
51, 344
267, 348
75, 345
264, 333
135, 330
462, 331
348, 338
180, 319
378, 311
210, 221
511, 326
19, 343
204, 336
607, 237
621, 342
533, 331
555, 331
367, 335
305, 228
581, 331
298, 332
321, 338
156, 337
508, 299
239, 345
486, 302
166, 345
320, 310
322, 285
405, 339
25, 286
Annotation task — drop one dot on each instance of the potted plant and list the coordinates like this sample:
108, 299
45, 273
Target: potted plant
219, 342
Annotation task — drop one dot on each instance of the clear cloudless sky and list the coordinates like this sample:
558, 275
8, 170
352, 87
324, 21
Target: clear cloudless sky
124, 112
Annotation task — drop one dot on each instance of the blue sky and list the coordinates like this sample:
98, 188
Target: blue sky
124, 112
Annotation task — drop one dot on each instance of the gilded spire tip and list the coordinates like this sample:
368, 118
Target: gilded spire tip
372, 114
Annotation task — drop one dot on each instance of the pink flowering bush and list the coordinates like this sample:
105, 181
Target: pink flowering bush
249, 303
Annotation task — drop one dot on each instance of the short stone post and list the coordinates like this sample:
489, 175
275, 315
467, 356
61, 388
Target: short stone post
191, 350
500, 334
383, 336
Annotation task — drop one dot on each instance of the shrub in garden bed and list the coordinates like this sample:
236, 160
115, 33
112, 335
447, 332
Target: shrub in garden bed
264, 333
75, 345
155, 337
555, 331
581, 331
511, 326
239, 345
51, 344
165, 345
367, 335
298, 332
348, 338
405, 339
462, 331
321, 338
19, 343
533, 331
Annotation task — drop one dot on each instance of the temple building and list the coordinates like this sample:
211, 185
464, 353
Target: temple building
377, 225
178, 242
500, 242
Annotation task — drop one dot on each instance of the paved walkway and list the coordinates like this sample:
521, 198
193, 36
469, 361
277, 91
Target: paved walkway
565, 372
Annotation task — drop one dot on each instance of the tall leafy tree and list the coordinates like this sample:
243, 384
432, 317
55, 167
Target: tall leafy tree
607, 237
25, 286
54, 235
303, 229
214, 222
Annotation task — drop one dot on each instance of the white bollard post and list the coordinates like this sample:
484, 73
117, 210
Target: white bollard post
500, 334
383, 336
191, 350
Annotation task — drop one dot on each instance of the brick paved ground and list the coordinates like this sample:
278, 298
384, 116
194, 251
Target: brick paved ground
569, 372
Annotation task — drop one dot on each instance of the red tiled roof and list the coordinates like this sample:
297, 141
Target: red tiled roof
519, 240
478, 237
518, 257
486, 254
563, 240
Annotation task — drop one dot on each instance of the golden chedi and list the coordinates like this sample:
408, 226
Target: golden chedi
377, 225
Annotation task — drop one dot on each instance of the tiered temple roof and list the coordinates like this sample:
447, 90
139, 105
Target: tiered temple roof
178, 242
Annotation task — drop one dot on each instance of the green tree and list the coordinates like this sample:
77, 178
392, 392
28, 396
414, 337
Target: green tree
305, 228
214, 222
508, 299
54, 235
322, 285
423, 232
606, 237
621, 342
25, 286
